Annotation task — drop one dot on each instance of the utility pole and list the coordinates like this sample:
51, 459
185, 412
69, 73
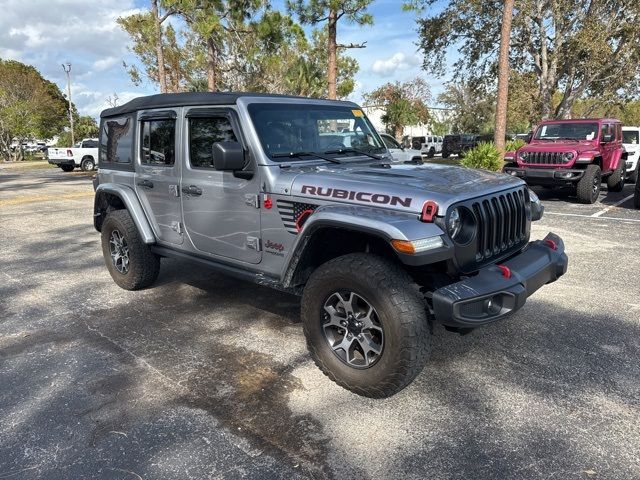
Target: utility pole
67, 68
503, 77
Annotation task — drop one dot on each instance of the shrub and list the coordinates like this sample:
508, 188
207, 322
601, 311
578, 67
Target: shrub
513, 145
484, 156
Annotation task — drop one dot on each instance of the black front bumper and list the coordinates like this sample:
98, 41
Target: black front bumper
546, 176
497, 291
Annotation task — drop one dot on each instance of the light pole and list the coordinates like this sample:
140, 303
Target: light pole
67, 68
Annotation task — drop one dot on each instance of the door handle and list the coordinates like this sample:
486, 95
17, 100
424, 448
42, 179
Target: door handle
192, 190
145, 183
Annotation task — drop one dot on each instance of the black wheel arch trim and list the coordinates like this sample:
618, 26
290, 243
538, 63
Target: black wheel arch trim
130, 201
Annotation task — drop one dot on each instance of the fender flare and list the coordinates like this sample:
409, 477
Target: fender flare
130, 200
384, 224
616, 157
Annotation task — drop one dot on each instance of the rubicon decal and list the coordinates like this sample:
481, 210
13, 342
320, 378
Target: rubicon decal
379, 198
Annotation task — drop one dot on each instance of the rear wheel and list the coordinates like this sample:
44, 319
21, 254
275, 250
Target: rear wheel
130, 262
445, 154
366, 324
67, 168
615, 181
588, 187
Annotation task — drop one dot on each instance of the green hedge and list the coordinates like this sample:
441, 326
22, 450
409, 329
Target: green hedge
484, 156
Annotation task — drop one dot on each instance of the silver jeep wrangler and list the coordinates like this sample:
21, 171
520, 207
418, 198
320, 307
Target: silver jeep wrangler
301, 195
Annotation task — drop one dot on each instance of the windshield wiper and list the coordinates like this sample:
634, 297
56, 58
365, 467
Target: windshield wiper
305, 154
355, 150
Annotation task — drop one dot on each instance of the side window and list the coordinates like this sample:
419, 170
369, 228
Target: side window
89, 144
158, 144
203, 133
116, 140
390, 142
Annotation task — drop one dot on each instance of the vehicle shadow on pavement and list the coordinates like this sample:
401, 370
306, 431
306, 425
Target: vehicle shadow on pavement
204, 373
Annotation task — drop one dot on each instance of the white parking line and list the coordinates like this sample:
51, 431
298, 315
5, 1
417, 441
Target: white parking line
605, 210
592, 217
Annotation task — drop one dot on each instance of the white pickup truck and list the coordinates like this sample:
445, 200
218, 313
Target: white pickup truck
84, 155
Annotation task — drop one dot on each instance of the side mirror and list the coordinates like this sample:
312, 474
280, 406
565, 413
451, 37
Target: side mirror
228, 156
529, 137
607, 138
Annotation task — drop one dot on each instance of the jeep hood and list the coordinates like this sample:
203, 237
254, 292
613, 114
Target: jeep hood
560, 146
400, 186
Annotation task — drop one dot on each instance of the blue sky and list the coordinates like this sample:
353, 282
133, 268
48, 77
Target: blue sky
47, 33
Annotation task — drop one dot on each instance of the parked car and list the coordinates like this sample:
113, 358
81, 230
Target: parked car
84, 155
576, 153
429, 145
247, 184
631, 143
458, 144
398, 152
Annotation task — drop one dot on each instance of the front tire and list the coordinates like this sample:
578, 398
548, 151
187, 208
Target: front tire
588, 187
366, 325
88, 164
615, 181
130, 261
432, 153
445, 154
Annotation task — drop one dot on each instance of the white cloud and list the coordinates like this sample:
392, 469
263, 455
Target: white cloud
47, 33
398, 61
105, 63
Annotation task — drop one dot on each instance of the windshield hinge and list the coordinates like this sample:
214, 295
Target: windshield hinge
252, 200
253, 243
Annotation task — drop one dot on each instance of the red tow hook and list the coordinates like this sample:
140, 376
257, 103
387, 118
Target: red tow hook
506, 271
551, 244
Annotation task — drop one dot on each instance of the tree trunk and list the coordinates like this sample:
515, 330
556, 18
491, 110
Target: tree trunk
332, 64
398, 130
503, 77
162, 79
211, 65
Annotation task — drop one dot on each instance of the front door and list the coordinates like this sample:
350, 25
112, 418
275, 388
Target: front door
158, 174
221, 214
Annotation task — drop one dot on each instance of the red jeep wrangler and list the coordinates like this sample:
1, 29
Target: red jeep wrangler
579, 153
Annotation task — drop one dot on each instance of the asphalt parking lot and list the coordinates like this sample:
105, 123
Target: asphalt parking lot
204, 376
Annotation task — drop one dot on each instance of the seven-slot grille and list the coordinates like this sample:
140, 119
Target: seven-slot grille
501, 222
290, 213
545, 158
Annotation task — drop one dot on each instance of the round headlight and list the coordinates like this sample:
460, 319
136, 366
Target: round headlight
523, 156
568, 156
454, 223
533, 197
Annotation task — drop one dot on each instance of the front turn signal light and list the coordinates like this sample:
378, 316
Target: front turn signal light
411, 247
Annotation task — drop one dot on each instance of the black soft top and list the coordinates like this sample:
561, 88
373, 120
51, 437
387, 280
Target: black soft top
166, 100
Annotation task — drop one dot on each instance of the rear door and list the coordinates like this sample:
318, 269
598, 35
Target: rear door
221, 212
158, 173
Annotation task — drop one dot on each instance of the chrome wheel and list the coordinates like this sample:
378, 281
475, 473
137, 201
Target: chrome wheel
352, 329
119, 251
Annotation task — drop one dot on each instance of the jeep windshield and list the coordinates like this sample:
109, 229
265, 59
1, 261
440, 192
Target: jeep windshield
567, 131
304, 131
